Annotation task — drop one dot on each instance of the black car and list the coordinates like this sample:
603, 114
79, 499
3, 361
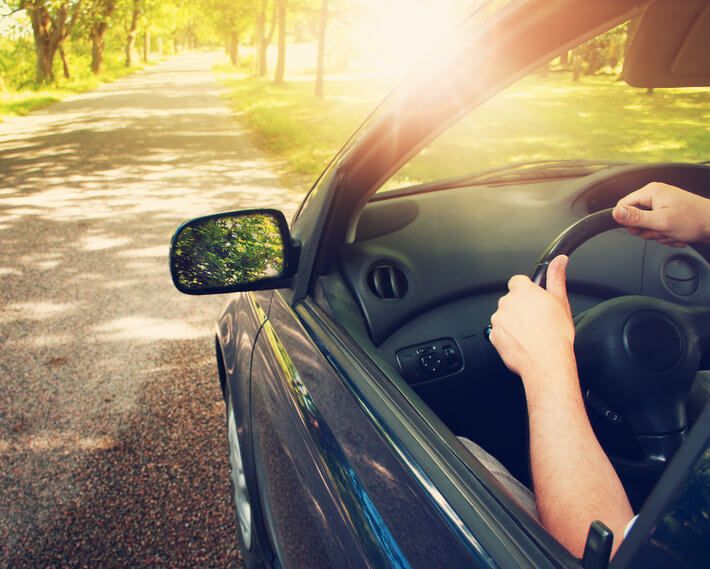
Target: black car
355, 352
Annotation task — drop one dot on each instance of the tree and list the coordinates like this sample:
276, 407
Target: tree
320, 63
131, 29
99, 13
65, 62
52, 22
263, 39
231, 19
282, 8
564, 59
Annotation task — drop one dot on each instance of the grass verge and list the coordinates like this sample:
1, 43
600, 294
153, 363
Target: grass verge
289, 123
23, 102
540, 118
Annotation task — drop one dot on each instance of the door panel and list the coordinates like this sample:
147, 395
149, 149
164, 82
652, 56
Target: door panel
237, 330
333, 492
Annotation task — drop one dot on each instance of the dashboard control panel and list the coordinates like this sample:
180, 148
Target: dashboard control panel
431, 360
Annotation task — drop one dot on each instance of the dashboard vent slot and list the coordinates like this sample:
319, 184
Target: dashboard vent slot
387, 282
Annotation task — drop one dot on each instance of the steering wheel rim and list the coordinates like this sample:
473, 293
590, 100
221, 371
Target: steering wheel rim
571, 238
619, 370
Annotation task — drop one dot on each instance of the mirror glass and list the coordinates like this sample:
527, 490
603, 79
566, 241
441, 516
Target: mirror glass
229, 250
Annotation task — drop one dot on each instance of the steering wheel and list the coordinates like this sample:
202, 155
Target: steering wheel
636, 355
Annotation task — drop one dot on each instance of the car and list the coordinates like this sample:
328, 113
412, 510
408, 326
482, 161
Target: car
352, 351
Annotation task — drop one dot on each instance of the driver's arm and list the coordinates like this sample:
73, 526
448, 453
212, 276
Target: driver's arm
669, 215
574, 481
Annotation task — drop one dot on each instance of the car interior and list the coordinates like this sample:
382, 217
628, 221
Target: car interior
417, 285
424, 275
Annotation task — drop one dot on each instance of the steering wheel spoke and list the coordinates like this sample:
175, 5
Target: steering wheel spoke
699, 327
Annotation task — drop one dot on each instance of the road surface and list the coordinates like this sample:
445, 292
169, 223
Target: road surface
112, 443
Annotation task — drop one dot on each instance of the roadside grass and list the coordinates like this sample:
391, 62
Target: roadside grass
24, 101
554, 118
539, 118
300, 130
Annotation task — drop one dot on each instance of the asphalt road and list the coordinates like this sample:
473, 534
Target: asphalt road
112, 441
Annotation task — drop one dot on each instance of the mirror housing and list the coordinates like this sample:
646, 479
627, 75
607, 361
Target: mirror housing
233, 252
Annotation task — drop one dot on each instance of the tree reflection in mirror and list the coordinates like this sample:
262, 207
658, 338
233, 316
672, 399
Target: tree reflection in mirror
228, 250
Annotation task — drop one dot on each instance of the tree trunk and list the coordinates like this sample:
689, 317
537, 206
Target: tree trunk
281, 59
45, 63
98, 43
50, 29
261, 40
65, 62
576, 66
234, 48
46, 41
564, 59
131, 37
130, 44
320, 62
146, 46
264, 38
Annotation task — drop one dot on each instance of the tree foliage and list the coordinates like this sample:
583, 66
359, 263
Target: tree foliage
83, 32
228, 251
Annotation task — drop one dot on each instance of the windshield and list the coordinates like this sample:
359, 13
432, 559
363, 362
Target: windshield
576, 108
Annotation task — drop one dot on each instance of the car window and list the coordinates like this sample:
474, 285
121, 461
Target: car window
576, 107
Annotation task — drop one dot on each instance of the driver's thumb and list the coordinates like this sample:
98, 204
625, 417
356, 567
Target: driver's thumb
631, 216
557, 277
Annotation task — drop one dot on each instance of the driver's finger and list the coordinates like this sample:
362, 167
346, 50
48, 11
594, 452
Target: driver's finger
517, 281
557, 278
642, 197
630, 216
650, 234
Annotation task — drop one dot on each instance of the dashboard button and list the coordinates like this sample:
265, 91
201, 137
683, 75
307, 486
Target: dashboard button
431, 363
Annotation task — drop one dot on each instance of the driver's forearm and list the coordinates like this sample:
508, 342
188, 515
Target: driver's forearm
574, 481
705, 230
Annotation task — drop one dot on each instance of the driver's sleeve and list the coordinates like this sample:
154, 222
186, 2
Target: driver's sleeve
628, 527
517, 489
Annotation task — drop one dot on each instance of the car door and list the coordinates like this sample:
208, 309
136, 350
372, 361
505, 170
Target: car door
332, 491
672, 529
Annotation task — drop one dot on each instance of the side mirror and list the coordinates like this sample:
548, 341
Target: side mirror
234, 251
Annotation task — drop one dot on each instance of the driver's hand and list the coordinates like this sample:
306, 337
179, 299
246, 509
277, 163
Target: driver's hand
533, 329
674, 217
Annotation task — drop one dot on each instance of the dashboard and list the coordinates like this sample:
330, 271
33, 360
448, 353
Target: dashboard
416, 253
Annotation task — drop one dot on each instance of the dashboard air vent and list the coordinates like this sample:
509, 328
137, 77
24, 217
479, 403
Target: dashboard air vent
681, 276
387, 282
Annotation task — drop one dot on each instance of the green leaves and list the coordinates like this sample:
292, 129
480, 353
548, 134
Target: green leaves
228, 251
